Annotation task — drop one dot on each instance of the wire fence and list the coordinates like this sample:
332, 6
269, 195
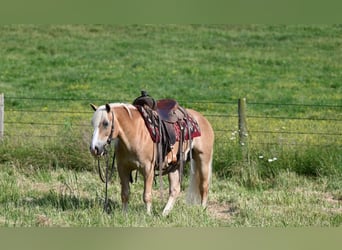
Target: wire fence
268, 123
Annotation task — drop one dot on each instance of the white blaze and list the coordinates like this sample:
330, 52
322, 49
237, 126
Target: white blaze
94, 140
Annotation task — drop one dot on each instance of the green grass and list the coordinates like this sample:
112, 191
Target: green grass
303, 62
47, 173
67, 198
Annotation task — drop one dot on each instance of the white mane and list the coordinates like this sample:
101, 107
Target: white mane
101, 111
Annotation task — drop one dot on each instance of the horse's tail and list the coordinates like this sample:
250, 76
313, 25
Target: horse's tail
194, 193
202, 157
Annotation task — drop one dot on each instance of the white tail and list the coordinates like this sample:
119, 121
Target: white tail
193, 194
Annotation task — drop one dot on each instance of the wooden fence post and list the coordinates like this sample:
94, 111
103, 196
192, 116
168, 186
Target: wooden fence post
2, 115
243, 132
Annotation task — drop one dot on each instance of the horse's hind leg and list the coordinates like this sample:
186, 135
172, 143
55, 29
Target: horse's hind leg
200, 179
205, 164
147, 196
174, 190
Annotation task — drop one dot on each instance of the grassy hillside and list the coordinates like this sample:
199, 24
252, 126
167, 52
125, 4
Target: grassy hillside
290, 75
291, 64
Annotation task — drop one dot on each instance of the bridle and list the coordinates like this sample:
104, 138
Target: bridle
109, 140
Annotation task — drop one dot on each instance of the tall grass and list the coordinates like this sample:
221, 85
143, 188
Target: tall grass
263, 164
69, 149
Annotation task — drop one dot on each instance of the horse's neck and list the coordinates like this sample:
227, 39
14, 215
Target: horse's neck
130, 125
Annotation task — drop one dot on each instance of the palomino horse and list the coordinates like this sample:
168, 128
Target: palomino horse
135, 150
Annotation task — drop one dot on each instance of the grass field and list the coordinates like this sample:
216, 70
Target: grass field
50, 74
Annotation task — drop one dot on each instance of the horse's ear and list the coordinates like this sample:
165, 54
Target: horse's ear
94, 107
107, 107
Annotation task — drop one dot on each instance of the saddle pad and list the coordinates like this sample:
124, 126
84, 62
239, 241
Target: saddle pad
152, 123
188, 123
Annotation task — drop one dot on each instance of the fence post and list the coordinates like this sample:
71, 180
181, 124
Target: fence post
2, 115
243, 134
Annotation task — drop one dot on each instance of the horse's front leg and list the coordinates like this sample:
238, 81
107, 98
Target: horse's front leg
148, 182
174, 191
125, 189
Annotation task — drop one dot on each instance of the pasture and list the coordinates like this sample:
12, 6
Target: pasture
289, 174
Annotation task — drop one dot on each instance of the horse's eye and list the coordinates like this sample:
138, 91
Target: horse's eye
105, 123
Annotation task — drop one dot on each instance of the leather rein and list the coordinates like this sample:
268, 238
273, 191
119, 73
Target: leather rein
109, 170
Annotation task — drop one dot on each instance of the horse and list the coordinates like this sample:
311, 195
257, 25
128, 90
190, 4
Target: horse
134, 149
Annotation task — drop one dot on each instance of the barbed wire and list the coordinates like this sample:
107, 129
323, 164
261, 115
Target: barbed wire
216, 130
293, 118
29, 136
219, 142
283, 132
282, 144
296, 104
48, 111
232, 102
204, 113
213, 115
46, 123
294, 132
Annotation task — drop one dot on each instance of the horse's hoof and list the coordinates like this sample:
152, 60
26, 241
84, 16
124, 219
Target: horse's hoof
165, 213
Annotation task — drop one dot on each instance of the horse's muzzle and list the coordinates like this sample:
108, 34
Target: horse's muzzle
96, 152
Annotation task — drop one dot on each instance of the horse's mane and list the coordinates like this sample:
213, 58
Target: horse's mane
126, 106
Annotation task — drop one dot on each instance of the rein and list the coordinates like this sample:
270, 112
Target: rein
109, 170
105, 177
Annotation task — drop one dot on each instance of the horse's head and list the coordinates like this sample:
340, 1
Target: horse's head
103, 123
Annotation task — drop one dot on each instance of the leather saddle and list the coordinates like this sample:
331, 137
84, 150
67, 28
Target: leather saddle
169, 110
